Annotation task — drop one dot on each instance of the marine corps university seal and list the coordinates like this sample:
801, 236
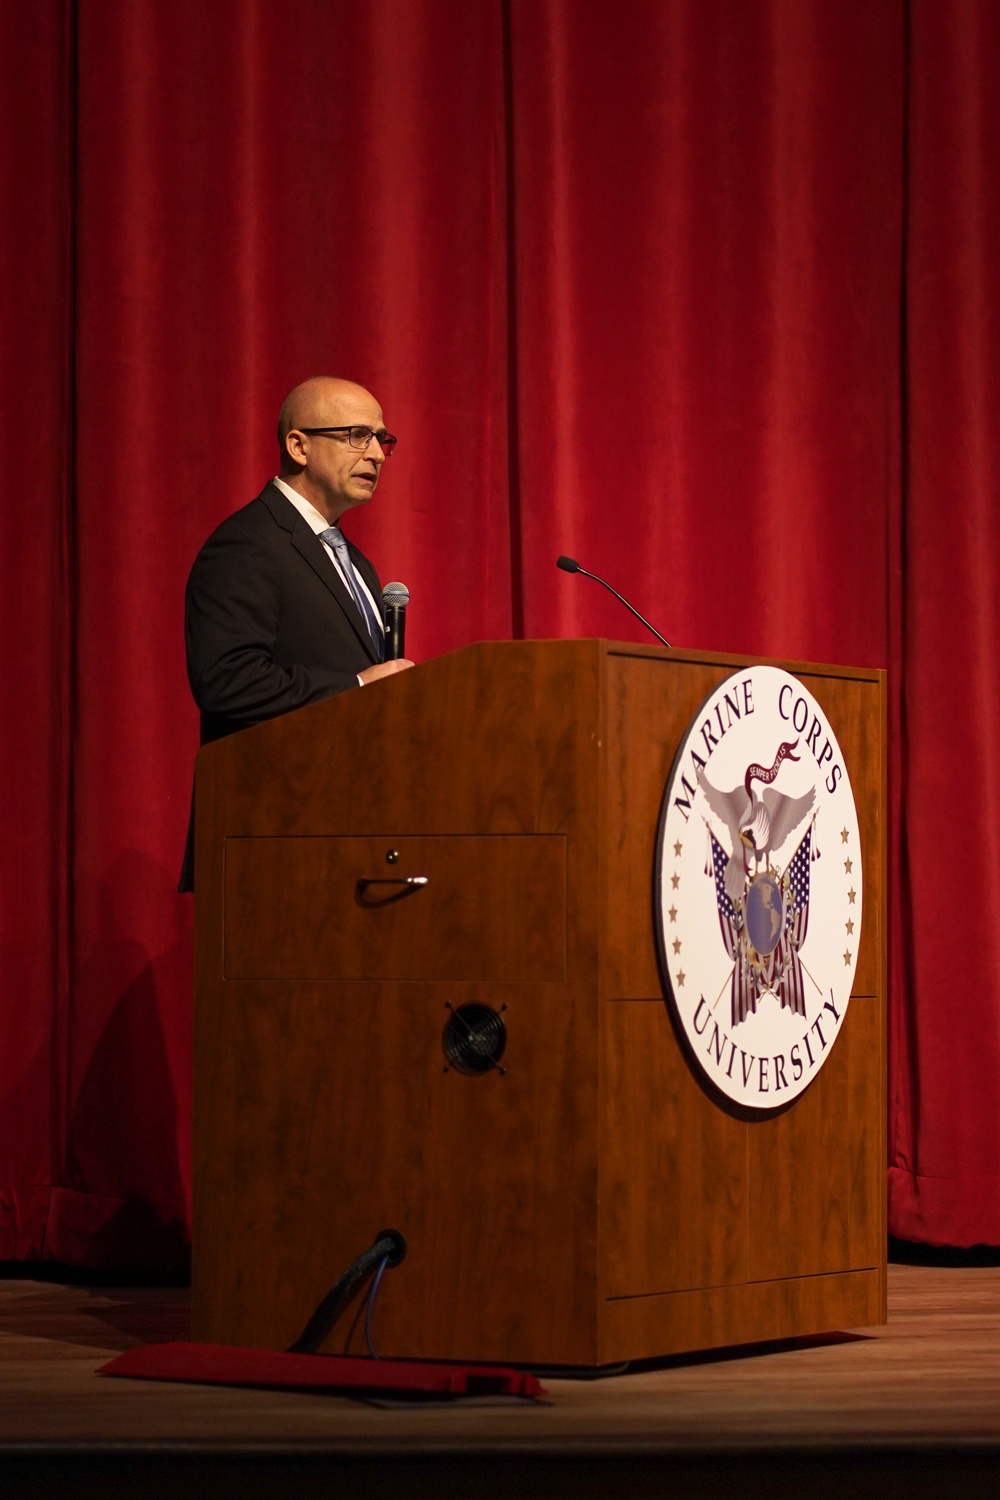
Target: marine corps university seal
758, 926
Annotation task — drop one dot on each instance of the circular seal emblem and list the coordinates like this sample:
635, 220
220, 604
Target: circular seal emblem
757, 925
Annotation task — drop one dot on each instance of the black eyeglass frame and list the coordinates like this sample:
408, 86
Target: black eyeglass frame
385, 440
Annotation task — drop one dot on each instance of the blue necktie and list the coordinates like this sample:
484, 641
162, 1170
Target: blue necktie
334, 538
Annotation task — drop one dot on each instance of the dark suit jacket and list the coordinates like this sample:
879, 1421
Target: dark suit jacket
268, 623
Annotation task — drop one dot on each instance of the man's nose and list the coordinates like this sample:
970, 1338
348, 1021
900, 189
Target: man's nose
374, 450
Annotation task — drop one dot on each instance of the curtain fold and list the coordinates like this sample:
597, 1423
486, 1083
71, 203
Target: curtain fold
944, 1177
36, 596
700, 293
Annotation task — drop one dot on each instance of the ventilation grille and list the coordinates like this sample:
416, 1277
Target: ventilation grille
475, 1038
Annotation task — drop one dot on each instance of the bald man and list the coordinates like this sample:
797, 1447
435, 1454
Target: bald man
281, 610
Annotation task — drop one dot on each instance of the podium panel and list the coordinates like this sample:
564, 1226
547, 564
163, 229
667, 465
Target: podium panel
591, 1202
406, 908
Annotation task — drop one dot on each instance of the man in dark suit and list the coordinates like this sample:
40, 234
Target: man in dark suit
281, 610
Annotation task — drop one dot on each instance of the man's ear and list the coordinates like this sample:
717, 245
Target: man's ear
296, 447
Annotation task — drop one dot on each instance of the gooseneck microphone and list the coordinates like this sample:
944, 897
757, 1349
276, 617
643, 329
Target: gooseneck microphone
570, 565
395, 598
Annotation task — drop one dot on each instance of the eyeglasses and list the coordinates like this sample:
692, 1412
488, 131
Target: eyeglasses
358, 437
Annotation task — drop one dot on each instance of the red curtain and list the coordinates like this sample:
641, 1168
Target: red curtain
944, 1180
674, 286
36, 594
706, 206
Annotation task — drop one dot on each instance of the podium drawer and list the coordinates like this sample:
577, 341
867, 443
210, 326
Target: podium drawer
491, 907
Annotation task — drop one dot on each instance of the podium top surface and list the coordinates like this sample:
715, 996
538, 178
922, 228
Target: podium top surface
736, 660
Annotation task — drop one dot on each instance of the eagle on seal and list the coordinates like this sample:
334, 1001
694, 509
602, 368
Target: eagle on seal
757, 824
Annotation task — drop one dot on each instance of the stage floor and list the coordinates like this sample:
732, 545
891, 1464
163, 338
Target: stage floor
912, 1408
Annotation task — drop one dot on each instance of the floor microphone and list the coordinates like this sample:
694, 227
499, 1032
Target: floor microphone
570, 565
395, 598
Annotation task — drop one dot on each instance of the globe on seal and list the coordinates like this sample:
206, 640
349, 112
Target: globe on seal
765, 913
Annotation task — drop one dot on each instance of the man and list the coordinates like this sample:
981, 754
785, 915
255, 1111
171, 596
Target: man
281, 610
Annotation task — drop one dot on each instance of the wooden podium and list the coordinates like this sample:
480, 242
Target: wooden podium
592, 1204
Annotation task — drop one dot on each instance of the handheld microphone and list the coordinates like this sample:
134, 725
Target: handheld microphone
570, 565
395, 598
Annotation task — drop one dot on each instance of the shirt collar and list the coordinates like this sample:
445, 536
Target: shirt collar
305, 508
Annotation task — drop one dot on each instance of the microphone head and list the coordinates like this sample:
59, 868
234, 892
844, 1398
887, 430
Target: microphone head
395, 596
568, 564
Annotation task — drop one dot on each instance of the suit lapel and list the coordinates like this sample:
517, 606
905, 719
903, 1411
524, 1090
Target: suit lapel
312, 551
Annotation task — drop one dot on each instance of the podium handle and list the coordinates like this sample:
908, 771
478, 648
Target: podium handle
407, 885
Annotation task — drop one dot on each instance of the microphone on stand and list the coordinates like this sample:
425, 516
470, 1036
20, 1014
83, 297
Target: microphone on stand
570, 565
395, 598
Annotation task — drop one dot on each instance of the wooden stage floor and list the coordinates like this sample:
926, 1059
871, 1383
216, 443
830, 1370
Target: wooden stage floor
910, 1409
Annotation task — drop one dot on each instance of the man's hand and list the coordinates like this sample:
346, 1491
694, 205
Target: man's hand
384, 669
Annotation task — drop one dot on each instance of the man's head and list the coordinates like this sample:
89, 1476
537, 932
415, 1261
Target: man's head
324, 466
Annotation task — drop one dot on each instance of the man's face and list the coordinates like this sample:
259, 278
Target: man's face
336, 476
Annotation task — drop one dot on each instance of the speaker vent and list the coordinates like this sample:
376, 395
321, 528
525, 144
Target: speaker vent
475, 1038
